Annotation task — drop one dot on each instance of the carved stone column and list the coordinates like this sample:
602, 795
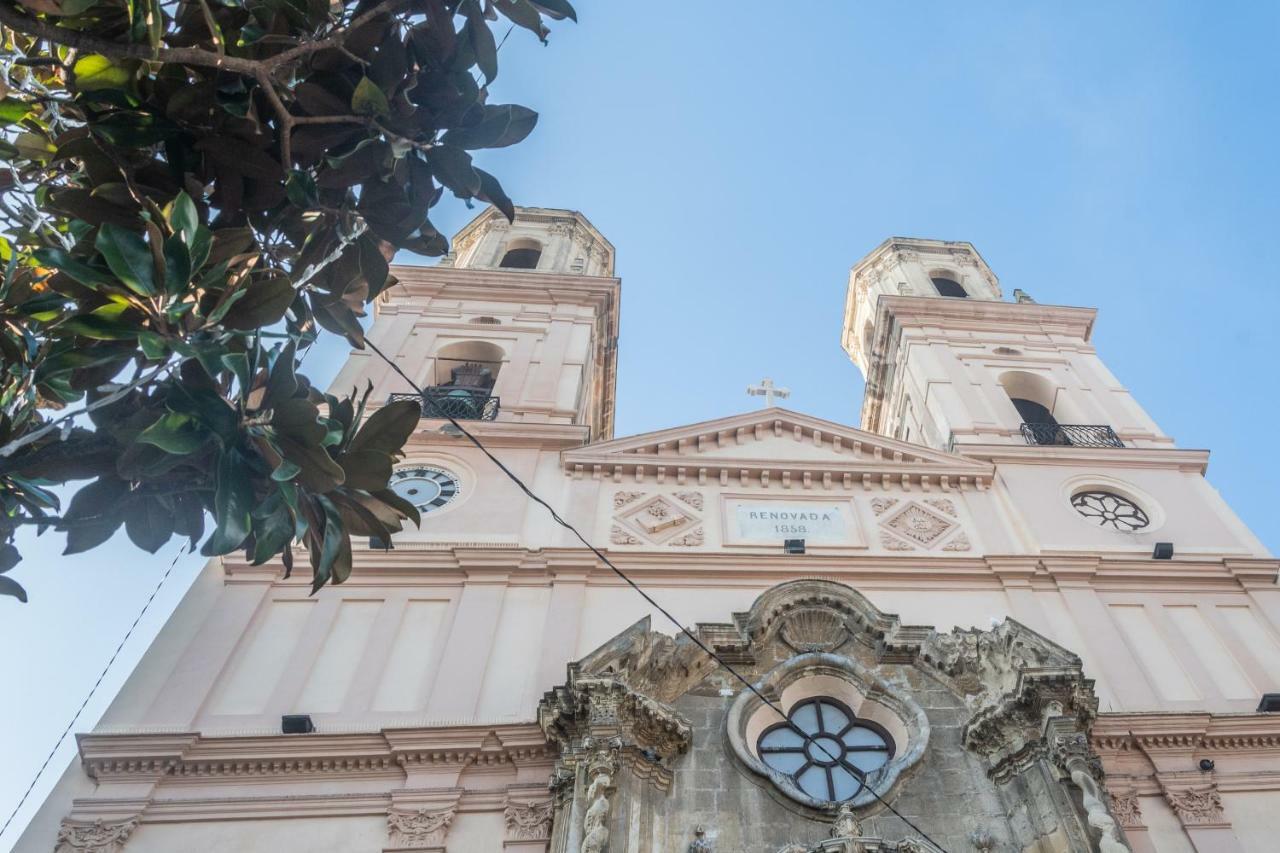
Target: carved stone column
96, 837
418, 822
1128, 813
528, 825
1199, 809
601, 769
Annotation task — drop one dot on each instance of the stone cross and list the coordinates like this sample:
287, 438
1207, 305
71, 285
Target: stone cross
767, 390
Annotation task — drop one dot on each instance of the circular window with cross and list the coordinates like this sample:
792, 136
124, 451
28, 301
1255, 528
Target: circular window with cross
825, 749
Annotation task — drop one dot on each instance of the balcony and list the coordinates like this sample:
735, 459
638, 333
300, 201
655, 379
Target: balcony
461, 404
1071, 435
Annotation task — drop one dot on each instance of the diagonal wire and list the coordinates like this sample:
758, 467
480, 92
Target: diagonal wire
556, 517
92, 690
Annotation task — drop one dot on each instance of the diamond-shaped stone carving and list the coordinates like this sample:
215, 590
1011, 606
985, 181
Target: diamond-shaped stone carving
659, 519
919, 524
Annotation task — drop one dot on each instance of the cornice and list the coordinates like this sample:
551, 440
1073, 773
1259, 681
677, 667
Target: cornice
190, 755
1194, 461
528, 287
548, 436
444, 565
1173, 732
916, 311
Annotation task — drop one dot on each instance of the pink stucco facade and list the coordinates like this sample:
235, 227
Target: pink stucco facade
423, 672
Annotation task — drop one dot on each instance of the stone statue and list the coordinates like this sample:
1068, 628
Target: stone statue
595, 826
846, 825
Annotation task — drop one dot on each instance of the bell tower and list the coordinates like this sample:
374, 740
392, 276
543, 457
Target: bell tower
518, 324
948, 363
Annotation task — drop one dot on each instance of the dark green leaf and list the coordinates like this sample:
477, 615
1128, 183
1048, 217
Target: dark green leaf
556, 9
265, 302
389, 428
233, 501
521, 13
452, 167
177, 265
175, 433
183, 217
149, 524
128, 256
86, 274
491, 191
369, 100
500, 126
9, 586
95, 513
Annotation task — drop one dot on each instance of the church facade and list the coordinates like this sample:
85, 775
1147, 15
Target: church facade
1006, 613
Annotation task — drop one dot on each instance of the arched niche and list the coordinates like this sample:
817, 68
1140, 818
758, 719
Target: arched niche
468, 364
521, 253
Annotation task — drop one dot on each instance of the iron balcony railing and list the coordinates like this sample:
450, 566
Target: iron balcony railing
461, 404
1071, 435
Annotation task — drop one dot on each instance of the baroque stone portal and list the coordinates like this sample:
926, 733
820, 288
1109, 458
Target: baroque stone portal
988, 731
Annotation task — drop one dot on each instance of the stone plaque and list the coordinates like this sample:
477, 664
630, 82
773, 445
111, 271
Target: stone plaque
770, 522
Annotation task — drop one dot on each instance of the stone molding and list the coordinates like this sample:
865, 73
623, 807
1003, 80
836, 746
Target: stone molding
858, 458
133, 757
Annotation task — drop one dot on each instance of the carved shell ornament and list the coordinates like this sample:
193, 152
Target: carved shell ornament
814, 630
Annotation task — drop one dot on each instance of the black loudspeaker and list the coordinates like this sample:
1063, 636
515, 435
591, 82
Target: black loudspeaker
793, 546
297, 724
1270, 703
1163, 551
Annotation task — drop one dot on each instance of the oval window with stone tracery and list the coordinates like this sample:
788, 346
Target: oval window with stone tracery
1107, 509
825, 750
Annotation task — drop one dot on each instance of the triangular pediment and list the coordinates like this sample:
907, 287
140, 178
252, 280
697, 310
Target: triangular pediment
774, 439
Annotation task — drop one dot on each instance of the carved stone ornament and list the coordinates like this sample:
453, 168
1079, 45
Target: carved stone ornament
693, 499
959, 542
879, 505
943, 505
814, 630
982, 840
96, 837
419, 829
595, 825
893, 543
700, 844
619, 536
621, 499
658, 519
919, 524
1125, 808
528, 821
693, 539
1196, 807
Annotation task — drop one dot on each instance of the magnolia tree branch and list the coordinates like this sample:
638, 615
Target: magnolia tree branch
55, 424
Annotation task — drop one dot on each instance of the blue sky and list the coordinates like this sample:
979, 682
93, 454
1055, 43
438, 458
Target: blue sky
1111, 155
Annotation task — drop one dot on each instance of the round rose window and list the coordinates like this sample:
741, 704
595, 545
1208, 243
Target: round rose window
1107, 509
825, 750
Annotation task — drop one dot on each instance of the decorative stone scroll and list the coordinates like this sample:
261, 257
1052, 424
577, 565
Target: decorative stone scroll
601, 769
96, 837
1196, 807
529, 821
421, 830
1125, 808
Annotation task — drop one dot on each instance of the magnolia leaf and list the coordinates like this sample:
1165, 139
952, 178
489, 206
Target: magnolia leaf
522, 14
500, 126
149, 524
452, 167
94, 71
369, 100
480, 38
233, 501
183, 216
369, 470
556, 9
9, 586
13, 111
491, 191
388, 429
127, 255
175, 433
87, 274
265, 302
94, 514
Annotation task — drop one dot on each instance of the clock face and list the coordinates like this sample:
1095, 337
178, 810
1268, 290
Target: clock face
426, 488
